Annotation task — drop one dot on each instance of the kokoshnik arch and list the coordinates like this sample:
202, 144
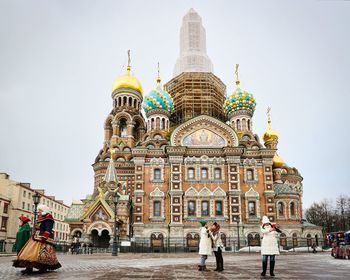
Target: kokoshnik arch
195, 156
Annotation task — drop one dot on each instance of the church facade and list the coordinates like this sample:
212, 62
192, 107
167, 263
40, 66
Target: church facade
192, 155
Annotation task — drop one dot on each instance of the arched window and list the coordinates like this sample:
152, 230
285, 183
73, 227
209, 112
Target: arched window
250, 175
244, 124
130, 101
292, 208
204, 173
248, 123
252, 208
191, 208
135, 104
156, 174
295, 240
283, 240
163, 124
218, 208
152, 123
217, 173
205, 208
156, 208
123, 128
125, 101
280, 207
238, 125
120, 101
190, 173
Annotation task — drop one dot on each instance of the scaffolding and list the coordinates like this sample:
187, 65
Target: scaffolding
194, 94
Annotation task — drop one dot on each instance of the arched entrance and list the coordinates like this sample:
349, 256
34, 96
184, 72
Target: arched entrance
100, 241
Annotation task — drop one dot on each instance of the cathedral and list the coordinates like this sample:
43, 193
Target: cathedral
186, 152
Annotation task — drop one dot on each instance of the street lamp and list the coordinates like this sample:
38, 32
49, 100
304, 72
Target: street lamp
36, 200
115, 244
238, 241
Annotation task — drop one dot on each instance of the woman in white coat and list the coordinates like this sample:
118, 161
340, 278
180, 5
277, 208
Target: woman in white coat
205, 248
269, 245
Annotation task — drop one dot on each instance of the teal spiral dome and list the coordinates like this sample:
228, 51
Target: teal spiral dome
158, 99
240, 100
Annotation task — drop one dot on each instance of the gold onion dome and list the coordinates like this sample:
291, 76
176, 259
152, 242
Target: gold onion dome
278, 162
127, 80
270, 134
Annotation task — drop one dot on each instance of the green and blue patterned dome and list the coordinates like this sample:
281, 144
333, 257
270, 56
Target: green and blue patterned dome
240, 100
158, 99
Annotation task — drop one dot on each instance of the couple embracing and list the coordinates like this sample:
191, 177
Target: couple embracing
210, 241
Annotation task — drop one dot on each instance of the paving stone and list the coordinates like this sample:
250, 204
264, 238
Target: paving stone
180, 266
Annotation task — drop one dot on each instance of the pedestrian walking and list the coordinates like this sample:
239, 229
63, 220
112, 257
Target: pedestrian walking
205, 247
269, 246
39, 251
22, 237
215, 235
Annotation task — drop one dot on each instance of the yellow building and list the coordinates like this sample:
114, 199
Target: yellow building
16, 199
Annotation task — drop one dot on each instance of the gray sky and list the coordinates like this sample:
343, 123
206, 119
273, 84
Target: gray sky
58, 60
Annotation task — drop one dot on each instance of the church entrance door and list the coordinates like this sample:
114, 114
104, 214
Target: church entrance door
100, 241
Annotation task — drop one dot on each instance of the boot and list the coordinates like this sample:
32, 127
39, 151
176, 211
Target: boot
205, 268
200, 267
264, 265
28, 270
272, 267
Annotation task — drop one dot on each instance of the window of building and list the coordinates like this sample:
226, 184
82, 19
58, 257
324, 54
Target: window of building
217, 173
23, 205
190, 173
191, 207
218, 208
156, 174
250, 175
156, 208
28, 206
24, 193
252, 208
292, 209
205, 208
29, 195
123, 128
4, 223
204, 173
238, 125
280, 207
6, 208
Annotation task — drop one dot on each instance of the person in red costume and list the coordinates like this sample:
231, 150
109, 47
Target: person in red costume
39, 251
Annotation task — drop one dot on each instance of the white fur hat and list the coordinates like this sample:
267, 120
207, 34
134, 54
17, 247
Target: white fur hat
44, 208
265, 220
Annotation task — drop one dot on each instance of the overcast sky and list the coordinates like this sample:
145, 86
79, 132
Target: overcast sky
58, 60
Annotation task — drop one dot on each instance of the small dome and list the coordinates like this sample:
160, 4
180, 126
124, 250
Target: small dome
278, 162
127, 81
158, 99
240, 100
270, 135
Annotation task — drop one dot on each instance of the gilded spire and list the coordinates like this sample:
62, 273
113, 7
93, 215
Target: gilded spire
270, 134
237, 78
129, 63
158, 78
268, 116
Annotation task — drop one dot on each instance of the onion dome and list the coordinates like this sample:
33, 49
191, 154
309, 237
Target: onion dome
270, 134
239, 99
278, 162
127, 80
158, 99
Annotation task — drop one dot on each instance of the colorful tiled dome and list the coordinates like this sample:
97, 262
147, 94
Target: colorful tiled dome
158, 99
240, 100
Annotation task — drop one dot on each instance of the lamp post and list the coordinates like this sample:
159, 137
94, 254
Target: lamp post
36, 200
115, 244
238, 241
